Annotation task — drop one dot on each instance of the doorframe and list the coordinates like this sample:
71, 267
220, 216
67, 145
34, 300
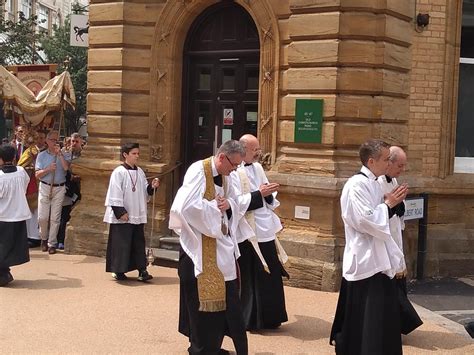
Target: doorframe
166, 72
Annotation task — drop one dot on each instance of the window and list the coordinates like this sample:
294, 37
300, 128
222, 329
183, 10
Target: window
464, 153
26, 8
43, 17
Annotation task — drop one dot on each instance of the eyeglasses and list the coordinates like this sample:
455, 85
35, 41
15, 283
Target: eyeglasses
235, 166
52, 139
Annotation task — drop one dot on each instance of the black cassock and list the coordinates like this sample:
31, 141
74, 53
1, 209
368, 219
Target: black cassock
262, 294
13, 245
206, 330
367, 319
126, 248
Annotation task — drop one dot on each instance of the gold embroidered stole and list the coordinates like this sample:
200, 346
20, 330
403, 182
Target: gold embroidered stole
211, 283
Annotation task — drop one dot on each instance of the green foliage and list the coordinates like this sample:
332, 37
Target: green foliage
73, 59
19, 42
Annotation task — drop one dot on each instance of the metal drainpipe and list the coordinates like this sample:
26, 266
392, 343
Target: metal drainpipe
422, 234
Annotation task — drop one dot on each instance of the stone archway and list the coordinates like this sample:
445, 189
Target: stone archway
166, 75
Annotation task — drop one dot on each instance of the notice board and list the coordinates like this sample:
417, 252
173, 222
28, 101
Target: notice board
308, 120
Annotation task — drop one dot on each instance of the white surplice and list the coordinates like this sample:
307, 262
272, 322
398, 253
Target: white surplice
13, 203
397, 224
120, 194
369, 247
267, 223
192, 215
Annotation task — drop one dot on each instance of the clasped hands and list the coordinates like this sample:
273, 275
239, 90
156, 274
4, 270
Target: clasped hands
269, 188
397, 195
222, 203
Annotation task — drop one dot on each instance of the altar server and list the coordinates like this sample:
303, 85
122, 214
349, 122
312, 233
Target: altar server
367, 319
126, 213
14, 212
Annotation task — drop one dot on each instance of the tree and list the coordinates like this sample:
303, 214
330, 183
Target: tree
73, 59
19, 42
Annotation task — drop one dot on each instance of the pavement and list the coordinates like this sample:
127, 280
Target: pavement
68, 304
452, 298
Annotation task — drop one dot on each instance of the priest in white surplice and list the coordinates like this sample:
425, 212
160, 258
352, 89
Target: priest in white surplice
397, 163
261, 270
202, 215
367, 319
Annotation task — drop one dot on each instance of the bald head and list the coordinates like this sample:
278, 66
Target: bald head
397, 162
252, 148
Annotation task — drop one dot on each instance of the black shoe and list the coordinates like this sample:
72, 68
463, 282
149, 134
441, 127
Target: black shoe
6, 279
33, 243
119, 276
144, 276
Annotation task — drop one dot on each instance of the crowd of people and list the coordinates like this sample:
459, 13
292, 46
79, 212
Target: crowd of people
50, 192
231, 263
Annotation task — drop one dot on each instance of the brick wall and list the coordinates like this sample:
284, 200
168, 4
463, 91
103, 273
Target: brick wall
426, 93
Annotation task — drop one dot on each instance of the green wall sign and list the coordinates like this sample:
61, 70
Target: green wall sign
308, 120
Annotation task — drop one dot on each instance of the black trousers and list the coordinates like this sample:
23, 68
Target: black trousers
126, 248
206, 330
65, 217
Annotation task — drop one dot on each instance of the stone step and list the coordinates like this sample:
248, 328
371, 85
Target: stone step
167, 258
169, 243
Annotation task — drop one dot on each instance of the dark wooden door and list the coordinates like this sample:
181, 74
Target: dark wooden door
220, 82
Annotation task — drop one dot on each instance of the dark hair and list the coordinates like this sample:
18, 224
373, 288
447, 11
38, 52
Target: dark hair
371, 149
127, 147
7, 153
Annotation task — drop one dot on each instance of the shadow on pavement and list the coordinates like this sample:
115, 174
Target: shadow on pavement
431, 340
157, 280
47, 284
305, 328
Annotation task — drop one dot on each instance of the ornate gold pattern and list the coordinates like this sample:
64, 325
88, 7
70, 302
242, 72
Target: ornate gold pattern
211, 283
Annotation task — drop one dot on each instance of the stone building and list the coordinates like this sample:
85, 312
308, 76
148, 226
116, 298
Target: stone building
163, 72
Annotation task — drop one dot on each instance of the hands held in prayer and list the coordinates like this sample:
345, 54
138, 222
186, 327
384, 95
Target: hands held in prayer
268, 189
124, 217
155, 183
397, 195
222, 203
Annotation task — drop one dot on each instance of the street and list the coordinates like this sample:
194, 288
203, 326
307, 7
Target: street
68, 304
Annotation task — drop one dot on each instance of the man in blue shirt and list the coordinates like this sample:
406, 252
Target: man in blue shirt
51, 166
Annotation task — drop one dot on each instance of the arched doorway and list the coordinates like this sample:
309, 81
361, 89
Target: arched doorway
220, 80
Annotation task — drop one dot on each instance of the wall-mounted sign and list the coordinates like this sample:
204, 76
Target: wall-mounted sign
79, 34
228, 114
414, 208
308, 120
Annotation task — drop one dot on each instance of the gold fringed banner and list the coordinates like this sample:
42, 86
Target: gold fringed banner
50, 98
